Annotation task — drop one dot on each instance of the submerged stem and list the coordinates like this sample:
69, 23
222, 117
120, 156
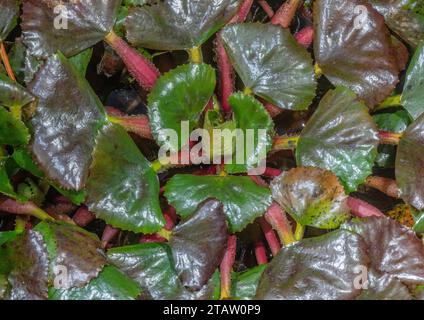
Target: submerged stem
6, 62
271, 238
277, 218
28, 208
260, 252
266, 7
227, 266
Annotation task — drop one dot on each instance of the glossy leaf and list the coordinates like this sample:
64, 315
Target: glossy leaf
245, 284
249, 114
12, 94
271, 63
8, 17
6, 186
312, 196
355, 52
320, 268
75, 249
65, 123
180, 95
151, 265
410, 164
111, 284
243, 200
12, 130
396, 122
198, 244
393, 248
81, 60
178, 24
413, 92
342, 137
30, 260
407, 25
122, 188
46, 31
6, 236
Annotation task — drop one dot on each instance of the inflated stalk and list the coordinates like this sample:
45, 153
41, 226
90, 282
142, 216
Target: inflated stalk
260, 252
266, 7
385, 185
285, 143
389, 137
362, 209
299, 232
271, 238
273, 110
6, 62
109, 234
139, 125
83, 217
226, 75
272, 172
227, 267
28, 208
285, 14
277, 218
144, 71
196, 55
305, 36
225, 69
166, 234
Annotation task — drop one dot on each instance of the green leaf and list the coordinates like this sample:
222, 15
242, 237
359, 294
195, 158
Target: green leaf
361, 58
249, 114
312, 196
151, 265
122, 188
413, 92
407, 25
342, 137
410, 164
5, 185
65, 124
111, 284
271, 63
244, 284
419, 222
12, 94
180, 95
243, 200
73, 248
8, 17
396, 122
45, 32
178, 24
198, 244
7, 236
12, 130
81, 60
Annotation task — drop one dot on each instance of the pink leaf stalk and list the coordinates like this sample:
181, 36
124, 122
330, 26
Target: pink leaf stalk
28, 208
286, 13
227, 266
266, 7
144, 71
305, 36
149, 238
260, 253
362, 209
83, 217
270, 236
277, 218
385, 185
272, 172
109, 234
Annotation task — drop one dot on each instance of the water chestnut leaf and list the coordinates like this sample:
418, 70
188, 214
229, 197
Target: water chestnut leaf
122, 188
342, 137
12, 94
410, 164
413, 92
178, 24
13, 131
245, 284
111, 284
68, 26
354, 52
180, 95
243, 200
312, 196
396, 122
250, 115
8, 17
271, 63
407, 25
73, 248
65, 123
198, 244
